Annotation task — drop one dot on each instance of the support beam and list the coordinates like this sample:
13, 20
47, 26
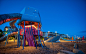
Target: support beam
23, 34
6, 41
39, 41
17, 41
38, 35
19, 35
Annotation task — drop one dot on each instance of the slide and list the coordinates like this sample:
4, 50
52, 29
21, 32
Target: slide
67, 40
13, 26
7, 35
53, 39
10, 33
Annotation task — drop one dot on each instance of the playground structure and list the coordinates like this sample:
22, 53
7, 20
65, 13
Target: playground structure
29, 27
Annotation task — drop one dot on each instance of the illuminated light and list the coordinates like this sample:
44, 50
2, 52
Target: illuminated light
35, 10
48, 31
30, 26
55, 31
44, 41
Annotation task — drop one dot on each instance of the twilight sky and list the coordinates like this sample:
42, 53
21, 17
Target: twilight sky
63, 16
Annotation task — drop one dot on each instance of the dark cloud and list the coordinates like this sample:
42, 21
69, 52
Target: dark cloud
83, 32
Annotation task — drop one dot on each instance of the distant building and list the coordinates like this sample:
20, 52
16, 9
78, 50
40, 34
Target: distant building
44, 33
53, 34
50, 34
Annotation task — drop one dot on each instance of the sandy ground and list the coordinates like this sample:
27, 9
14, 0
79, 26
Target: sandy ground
11, 48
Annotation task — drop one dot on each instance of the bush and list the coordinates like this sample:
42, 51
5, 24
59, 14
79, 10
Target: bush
1, 34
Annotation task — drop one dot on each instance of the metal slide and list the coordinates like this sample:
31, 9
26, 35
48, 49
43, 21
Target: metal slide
53, 39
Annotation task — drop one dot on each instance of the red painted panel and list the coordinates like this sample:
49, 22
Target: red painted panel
21, 31
35, 31
7, 20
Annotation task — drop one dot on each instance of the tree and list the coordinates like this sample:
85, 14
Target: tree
0, 30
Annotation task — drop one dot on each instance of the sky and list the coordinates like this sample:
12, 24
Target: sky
63, 16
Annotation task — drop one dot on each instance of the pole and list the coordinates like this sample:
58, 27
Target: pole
19, 36
6, 40
23, 34
17, 41
39, 37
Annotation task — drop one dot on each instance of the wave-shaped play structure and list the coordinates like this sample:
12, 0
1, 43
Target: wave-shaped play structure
30, 21
53, 39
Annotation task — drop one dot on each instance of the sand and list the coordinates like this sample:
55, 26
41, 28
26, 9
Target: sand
11, 48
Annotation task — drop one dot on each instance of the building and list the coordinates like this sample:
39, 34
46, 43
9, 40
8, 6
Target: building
50, 34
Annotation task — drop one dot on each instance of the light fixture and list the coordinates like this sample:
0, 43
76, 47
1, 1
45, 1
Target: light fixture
30, 26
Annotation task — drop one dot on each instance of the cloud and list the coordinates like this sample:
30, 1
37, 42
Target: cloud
83, 32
